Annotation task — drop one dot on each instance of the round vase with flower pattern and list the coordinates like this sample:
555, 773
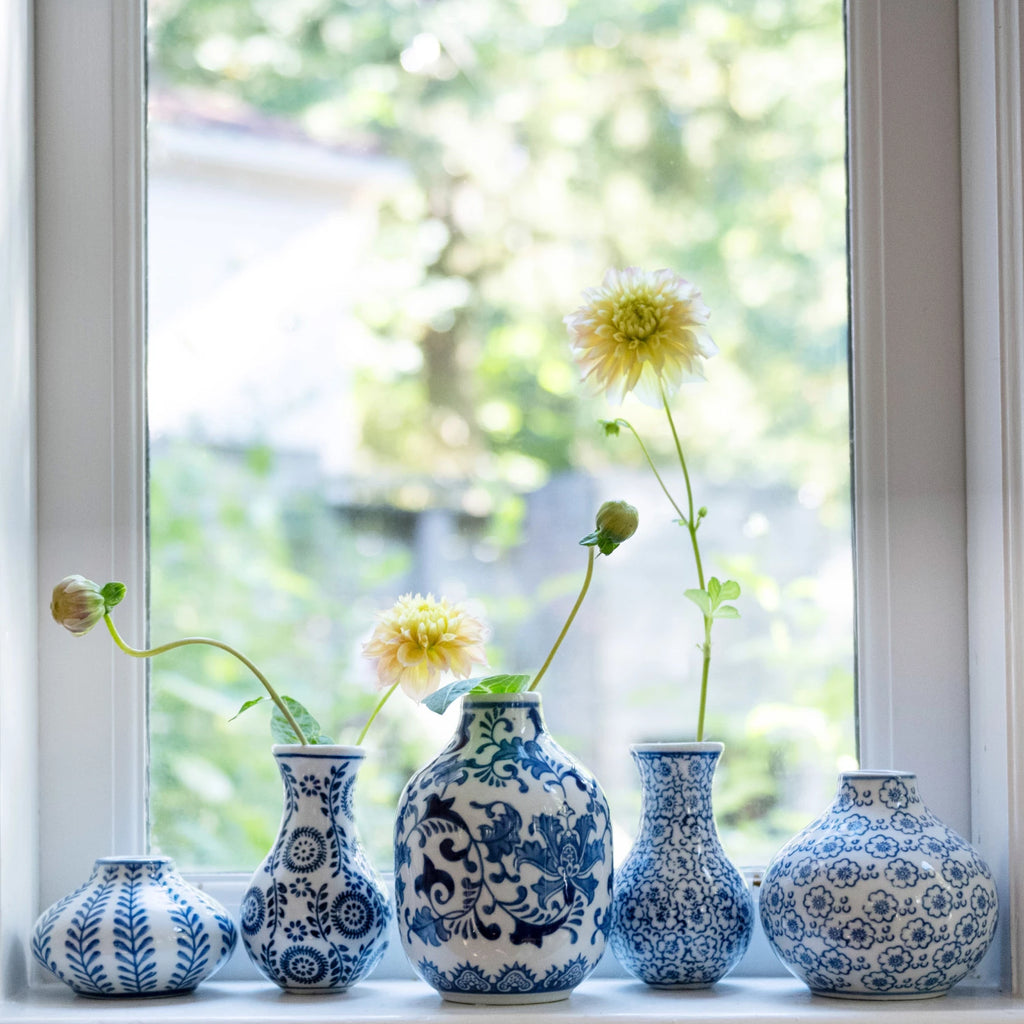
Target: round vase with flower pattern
877, 898
316, 914
683, 914
135, 928
503, 861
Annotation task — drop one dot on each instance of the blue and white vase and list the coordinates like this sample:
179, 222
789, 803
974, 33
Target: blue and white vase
683, 914
136, 928
877, 898
503, 861
316, 914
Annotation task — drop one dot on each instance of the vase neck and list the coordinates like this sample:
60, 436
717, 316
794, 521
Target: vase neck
498, 717
878, 793
132, 869
675, 782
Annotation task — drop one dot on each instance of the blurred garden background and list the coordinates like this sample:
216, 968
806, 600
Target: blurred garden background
366, 221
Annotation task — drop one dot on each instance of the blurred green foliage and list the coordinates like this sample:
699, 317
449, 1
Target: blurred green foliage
540, 141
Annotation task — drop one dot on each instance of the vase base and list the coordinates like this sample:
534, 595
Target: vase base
880, 997
679, 986
505, 998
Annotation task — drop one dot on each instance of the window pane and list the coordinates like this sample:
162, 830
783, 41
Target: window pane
366, 222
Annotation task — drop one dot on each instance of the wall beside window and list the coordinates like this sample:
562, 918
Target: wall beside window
17, 498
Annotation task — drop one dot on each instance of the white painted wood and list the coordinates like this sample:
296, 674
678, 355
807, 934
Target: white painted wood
18, 849
907, 368
91, 440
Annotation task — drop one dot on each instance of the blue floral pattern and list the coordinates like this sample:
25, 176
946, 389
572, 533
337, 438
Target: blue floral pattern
877, 898
683, 915
503, 861
315, 915
136, 928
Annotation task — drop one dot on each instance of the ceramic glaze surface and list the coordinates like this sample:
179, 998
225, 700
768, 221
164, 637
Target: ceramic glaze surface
136, 928
683, 915
503, 861
878, 898
315, 915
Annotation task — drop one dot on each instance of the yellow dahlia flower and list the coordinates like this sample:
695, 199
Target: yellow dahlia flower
420, 639
643, 330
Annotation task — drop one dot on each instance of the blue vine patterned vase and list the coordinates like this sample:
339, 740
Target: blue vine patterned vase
683, 914
316, 914
136, 928
877, 898
503, 861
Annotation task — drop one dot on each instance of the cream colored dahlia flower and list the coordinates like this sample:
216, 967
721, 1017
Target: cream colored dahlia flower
420, 639
643, 330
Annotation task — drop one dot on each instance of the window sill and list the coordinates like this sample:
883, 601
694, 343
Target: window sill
622, 1001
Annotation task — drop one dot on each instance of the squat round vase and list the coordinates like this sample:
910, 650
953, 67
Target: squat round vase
503, 861
682, 915
315, 915
136, 928
877, 898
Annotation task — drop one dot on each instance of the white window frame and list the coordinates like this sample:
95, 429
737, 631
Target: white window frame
938, 317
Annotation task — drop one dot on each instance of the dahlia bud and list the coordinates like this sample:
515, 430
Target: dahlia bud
616, 522
78, 604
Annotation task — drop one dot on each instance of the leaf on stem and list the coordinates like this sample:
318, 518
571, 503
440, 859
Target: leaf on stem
282, 732
440, 700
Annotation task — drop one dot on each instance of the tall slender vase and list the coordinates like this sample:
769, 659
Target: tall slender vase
503, 861
315, 915
135, 928
683, 915
877, 898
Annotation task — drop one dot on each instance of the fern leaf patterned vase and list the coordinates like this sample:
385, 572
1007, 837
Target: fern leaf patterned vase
877, 898
316, 914
503, 861
135, 928
683, 914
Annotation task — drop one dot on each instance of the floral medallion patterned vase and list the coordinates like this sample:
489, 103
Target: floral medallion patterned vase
136, 928
503, 861
877, 898
315, 915
683, 915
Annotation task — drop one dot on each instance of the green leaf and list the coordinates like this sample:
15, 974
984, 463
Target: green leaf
714, 590
440, 700
611, 427
245, 707
730, 590
725, 611
701, 600
282, 732
112, 594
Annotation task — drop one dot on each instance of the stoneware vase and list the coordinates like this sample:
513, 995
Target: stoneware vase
683, 914
136, 928
316, 914
503, 861
877, 898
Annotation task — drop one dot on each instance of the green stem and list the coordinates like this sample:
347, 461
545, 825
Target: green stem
568, 621
153, 651
705, 668
654, 469
376, 711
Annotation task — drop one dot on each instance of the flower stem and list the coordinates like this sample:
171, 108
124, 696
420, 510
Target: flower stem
654, 469
568, 621
376, 711
153, 651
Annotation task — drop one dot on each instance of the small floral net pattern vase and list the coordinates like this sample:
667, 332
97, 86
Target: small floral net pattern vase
503, 861
135, 928
683, 914
877, 898
315, 915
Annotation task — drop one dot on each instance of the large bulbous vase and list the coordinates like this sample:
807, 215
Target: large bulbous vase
683, 914
316, 914
503, 861
135, 928
877, 898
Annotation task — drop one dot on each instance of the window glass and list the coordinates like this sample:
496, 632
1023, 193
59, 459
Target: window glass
366, 221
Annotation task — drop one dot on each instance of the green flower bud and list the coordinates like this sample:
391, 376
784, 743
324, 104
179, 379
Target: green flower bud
616, 522
77, 604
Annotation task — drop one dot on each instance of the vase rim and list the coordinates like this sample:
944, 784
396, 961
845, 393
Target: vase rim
867, 774
528, 697
135, 858
678, 747
318, 750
